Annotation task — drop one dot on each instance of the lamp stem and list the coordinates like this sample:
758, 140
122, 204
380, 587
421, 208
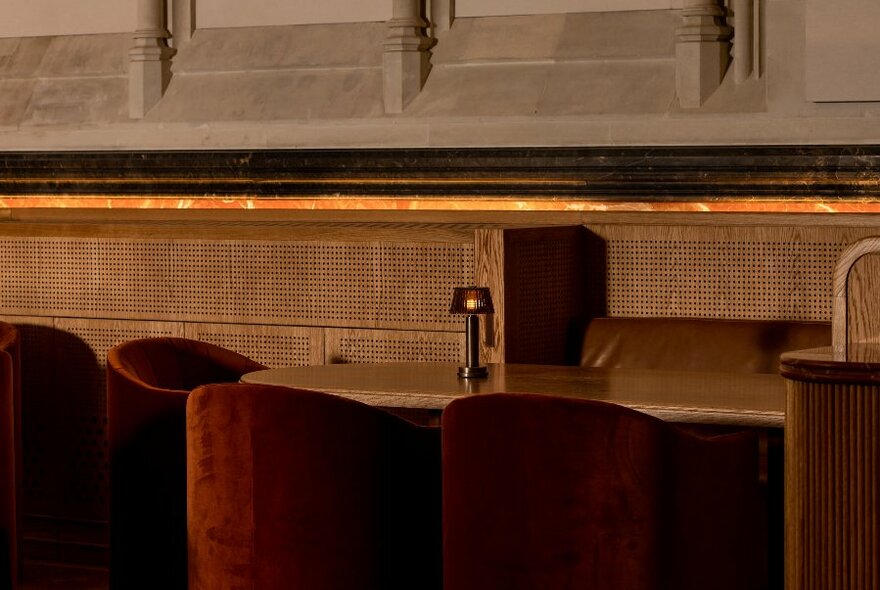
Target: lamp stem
472, 341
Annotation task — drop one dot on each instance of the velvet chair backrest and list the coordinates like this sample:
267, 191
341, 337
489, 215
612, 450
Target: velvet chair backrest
299, 489
543, 493
10, 455
148, 382
689, 344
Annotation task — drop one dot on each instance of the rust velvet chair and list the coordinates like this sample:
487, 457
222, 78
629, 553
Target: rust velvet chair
148, 382
546, 493
300, 489
10, 455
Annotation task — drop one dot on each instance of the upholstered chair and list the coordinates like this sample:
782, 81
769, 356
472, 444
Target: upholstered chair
10, 455
299, 489
148, 382
547, 493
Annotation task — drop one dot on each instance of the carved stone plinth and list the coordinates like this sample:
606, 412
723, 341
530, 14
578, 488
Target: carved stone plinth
702, 51
406, 61
150, 59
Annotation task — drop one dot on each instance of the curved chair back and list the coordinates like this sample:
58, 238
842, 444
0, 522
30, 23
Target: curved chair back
148, 382
10, 455
541, 492
299, 489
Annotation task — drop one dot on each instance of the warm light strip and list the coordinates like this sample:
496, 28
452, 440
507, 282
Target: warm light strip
861, 183
379, 203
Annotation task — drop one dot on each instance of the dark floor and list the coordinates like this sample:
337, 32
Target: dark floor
47, 576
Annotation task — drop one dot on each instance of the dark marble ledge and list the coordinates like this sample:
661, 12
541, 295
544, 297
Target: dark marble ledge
647, 174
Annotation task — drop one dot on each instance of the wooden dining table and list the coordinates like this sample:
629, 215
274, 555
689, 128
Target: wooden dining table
741, 399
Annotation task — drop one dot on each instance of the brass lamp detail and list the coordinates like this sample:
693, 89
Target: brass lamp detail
472, 301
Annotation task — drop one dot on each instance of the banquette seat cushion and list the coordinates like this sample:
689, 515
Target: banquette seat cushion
686, 344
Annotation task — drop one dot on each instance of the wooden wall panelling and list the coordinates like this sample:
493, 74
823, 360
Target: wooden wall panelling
537, 278
373, 346
862, 318
737, 272
545, 273
274, 346
489, 272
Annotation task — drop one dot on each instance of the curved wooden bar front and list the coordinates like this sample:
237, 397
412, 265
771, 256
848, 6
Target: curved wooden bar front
832, 468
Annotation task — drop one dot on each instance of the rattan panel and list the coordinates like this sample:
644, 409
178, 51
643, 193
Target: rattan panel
724, 279
360, 284
274, 346
372, 346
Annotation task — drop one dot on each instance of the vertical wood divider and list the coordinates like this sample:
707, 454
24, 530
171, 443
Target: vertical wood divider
489, 272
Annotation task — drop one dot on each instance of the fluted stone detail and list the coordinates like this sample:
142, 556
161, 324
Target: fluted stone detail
406, 61
702, 51
149, 59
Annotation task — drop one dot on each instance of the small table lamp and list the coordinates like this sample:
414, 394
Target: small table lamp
472, 301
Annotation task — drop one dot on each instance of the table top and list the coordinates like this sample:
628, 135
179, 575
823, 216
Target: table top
746, 399
861, 365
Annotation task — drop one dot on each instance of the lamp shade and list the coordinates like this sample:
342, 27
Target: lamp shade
471, 300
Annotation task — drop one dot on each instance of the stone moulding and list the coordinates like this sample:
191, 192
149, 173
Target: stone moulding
705, 174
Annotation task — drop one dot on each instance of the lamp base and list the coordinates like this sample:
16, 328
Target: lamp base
473, 372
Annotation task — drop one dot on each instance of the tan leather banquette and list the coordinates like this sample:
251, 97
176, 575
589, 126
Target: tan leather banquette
684, 344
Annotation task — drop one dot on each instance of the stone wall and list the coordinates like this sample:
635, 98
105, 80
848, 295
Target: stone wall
590, 78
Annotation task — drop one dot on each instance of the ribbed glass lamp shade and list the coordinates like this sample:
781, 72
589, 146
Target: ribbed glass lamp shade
471, 300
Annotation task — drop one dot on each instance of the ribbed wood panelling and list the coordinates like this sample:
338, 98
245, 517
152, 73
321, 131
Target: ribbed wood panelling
364, 284
832, 442
373, 346
723, 272
274, 346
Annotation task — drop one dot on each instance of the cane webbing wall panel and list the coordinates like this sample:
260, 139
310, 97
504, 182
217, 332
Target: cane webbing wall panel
361, 284
373, 346
723, 272
274, 346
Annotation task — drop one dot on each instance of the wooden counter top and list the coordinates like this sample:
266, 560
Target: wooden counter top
709, 398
